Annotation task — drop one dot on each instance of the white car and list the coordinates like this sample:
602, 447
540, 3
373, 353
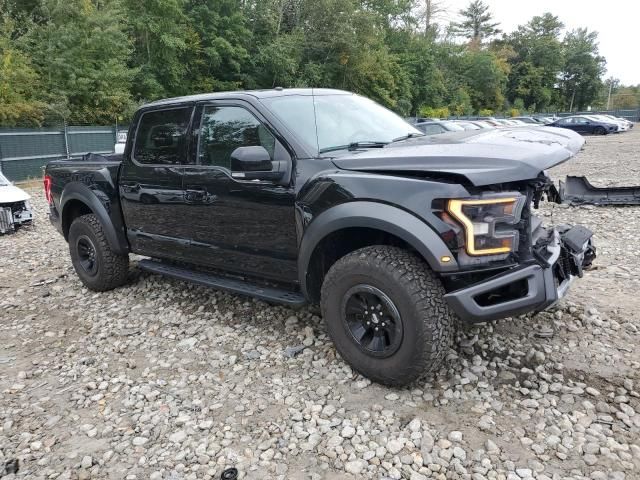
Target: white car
121, 141
624, 121
622, 124
15, 209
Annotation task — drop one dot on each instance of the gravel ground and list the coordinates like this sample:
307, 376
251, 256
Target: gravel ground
164, 380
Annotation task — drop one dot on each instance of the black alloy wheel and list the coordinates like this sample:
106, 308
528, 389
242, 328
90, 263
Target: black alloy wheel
373, 320
87, 255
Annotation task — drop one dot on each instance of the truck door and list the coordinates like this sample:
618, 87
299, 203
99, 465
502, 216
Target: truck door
153, 201
239, 224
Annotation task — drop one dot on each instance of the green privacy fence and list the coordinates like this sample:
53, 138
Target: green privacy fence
23, 152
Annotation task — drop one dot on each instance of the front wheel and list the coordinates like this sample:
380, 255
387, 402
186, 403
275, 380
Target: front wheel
600, 131
385, 311
97, 265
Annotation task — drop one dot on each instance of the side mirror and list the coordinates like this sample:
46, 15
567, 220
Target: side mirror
253, 163
251, 159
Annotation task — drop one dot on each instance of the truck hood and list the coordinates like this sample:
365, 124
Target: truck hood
483, 157
11, 194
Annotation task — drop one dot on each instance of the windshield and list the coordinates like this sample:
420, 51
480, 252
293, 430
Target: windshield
468, 126
3, 181
332, 122
453, 127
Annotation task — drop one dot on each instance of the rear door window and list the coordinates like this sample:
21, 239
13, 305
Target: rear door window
161, 138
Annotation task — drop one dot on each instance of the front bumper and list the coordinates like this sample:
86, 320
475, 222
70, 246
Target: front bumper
561, 258
12, 215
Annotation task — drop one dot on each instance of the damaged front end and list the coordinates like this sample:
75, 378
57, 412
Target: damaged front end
579, 191
531, 277
13, 215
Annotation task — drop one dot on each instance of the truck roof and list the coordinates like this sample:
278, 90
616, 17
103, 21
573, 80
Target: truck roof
267, 93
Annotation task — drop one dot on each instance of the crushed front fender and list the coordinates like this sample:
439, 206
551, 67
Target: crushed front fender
579, 191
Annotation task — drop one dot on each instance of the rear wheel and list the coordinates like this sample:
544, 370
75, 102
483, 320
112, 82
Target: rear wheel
386, 314
97, 265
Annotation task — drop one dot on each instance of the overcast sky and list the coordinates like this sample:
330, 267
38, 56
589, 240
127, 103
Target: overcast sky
616, 21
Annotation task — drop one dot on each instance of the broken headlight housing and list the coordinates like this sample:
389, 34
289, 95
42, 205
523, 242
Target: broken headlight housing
486, 224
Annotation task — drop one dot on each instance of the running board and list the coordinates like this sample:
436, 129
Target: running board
232, 285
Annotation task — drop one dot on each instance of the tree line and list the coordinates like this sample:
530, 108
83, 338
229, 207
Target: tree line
95, 61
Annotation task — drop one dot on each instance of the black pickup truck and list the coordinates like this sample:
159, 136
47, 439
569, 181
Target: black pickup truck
322, 196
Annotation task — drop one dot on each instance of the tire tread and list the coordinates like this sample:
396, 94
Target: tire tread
114, 267
425, 291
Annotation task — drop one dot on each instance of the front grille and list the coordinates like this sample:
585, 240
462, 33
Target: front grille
16, 207
565, 265
6, 220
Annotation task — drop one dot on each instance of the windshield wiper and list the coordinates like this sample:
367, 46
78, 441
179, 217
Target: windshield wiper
355, 145
407, 136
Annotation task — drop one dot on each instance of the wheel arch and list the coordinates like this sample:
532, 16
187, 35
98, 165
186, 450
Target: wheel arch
350, 226
77, 200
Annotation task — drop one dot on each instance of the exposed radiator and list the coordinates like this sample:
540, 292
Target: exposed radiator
6, 220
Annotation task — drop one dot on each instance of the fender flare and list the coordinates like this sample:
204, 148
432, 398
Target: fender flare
82, 193
378, 216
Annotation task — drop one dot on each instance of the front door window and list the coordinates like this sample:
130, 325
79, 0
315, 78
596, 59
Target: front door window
225, 128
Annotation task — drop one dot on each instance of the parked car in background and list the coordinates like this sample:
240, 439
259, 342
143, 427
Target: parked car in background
15, 209
529, 120
583, 124
414, 120
546, 120
466, 124
620, 119
121, 141
482, 124
504, 122
441, 126
623, 125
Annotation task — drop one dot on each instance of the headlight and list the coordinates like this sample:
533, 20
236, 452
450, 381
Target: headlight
488, 223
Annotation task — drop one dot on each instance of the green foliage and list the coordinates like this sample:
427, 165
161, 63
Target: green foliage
81, 54
485, 112
518, 105
535, 62
18, 81
580, 80
439, 112
92, 61
476, 23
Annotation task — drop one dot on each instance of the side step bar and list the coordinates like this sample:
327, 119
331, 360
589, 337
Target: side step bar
269, 294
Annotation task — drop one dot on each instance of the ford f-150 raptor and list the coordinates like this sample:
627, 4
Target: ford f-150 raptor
322, 196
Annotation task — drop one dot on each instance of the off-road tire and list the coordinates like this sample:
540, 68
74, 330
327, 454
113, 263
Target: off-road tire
111, 268
417, 293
